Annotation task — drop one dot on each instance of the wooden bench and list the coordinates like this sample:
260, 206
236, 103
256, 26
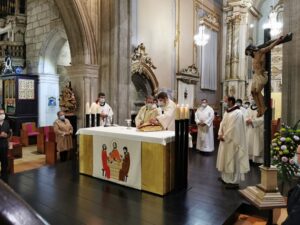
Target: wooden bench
28, 130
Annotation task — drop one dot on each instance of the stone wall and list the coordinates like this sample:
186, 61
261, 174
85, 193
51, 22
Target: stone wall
42, 17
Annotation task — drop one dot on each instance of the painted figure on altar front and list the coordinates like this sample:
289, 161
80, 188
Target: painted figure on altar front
114, 155
105, 167
123, 174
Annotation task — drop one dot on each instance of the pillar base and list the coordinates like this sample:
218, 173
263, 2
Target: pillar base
265, 195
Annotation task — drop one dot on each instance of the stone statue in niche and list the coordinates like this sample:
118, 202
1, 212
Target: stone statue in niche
7, 68
139, 54
67, 100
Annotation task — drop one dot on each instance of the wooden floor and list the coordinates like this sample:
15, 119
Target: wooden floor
62, 196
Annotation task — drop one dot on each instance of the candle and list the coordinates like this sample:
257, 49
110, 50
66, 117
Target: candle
87, 108
187, 112
182, 112
177, 113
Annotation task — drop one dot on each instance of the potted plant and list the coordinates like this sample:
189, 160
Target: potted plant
283, 151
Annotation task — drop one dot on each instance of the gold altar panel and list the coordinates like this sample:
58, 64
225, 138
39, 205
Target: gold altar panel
86, 154
157, 168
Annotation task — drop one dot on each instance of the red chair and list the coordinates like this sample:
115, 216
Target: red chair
43, 138
28, 130
16, 146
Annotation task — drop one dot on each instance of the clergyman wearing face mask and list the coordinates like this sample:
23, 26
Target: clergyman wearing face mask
63, 131
4, 135
167, 118
146, 113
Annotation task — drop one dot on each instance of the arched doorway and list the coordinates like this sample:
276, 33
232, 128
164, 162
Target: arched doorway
54, 55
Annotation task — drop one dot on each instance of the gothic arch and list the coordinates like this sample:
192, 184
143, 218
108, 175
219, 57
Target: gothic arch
79, 31
50, 50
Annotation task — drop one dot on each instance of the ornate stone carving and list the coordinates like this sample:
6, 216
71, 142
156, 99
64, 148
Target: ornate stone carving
139, 54
189, 75
142, 64
210, 20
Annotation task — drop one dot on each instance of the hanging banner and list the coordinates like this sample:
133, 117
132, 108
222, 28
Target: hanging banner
117, 160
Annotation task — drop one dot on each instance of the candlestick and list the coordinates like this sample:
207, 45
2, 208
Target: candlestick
187, 112
182, 112
87, 108
177, 112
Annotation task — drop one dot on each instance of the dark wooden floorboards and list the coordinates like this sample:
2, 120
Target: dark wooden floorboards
62, 196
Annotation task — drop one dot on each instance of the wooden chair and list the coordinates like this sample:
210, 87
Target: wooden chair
16, 146
43, 138
50, 149
10, 155
28, 130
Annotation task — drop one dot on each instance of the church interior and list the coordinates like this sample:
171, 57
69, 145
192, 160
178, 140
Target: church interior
78, 73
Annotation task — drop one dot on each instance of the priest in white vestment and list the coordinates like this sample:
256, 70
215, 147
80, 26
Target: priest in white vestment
233, 159
255, 134
167, 118
147, 112
204, 117
105, 111
239, 103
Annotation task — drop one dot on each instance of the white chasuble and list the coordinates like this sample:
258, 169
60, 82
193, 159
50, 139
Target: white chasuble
233, 160
167, 119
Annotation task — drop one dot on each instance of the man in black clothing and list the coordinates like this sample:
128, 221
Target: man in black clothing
4, 135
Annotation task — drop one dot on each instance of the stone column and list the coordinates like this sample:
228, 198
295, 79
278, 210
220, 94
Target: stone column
228, 48
48, 88
237, 36
84, 80
291, 65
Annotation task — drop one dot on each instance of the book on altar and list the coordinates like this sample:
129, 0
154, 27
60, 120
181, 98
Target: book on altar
148, 127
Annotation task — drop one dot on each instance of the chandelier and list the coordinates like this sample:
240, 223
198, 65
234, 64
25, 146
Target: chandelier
201, 38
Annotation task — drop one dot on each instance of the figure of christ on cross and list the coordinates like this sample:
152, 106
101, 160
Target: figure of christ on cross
260, 77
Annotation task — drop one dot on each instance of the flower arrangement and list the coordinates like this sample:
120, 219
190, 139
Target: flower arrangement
283, 150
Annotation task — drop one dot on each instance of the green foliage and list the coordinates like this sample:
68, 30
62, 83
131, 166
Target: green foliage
283, 149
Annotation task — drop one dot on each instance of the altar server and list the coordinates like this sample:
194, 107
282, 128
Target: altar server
232, 160
103, 108
204, 117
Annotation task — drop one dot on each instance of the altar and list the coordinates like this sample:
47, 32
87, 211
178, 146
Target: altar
141, 160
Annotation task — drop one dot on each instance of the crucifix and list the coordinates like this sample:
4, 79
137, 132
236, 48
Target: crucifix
265, 196
261, 55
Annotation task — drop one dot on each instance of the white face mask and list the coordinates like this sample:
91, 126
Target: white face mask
62, 117
225, 105
154, 106
246, 106
238, 104
102, 100
204, 105
2, 117
161, 103
148, 106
